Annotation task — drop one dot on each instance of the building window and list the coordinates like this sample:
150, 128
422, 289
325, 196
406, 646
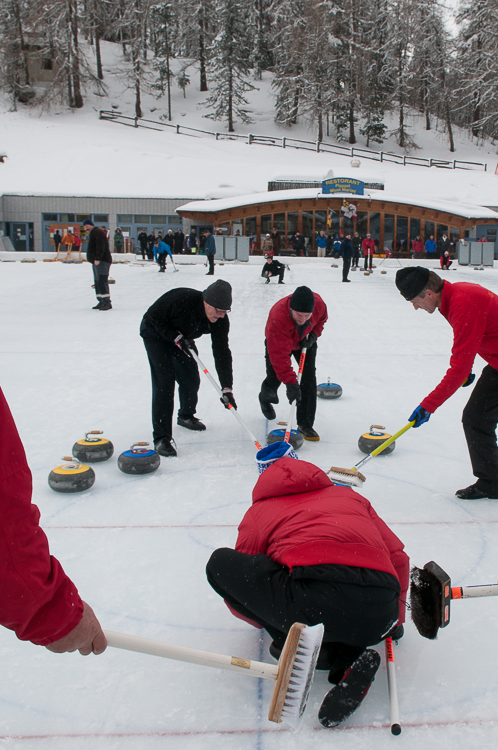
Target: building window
429, 229
47, 63
128, 219
362, 223
142, 219
402, 233
265, 224
441, 229
454, 234
320, 222
415, 229
375, 226
158, 219
279, 223
50, 217
101, 218
64, 218
174, 219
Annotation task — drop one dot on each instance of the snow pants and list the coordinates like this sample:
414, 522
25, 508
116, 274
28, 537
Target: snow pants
357, 606
306, 408
480, 419
169, 365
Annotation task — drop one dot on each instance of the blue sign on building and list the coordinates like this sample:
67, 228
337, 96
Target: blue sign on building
343, 185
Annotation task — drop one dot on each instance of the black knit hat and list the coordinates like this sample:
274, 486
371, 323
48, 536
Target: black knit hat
88, 221
303, 300
218, 295
411, 281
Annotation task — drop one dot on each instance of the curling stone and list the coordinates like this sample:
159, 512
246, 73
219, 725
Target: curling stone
328, 390
111, 281
93, 449
334, 265
366, 273
68, 261
72, 477
369, 441
383, 271
275, 436
28, 260
139, 460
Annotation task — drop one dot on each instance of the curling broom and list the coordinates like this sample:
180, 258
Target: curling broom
431, 593
293, 675
353, 477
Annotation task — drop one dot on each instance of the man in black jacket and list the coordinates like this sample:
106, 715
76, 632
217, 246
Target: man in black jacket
99, 255
273, 268
168, 329
347, 252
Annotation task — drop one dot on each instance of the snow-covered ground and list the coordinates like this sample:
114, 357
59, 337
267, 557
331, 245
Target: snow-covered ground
74, 153
137, 546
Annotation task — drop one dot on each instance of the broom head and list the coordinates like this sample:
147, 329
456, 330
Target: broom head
348, 477
430, 595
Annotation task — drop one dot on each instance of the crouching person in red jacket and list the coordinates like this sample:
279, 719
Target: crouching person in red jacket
37, 599
314, 552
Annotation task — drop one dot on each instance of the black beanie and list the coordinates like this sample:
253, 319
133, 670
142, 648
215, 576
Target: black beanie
303, 300
218, 295
411, 281
88, 221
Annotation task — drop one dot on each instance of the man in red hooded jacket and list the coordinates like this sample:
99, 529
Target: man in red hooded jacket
37, 599
313, 552
294, 322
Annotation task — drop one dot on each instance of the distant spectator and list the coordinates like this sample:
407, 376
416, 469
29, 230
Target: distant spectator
444, 243
192, 241
142, 238
276, 241
321, 245
298, 244
267, 244
368, 247
430, 246
357, 250
179, 241
118, 241
170, 240
336, 246
57, 240
68, 240
347, 252
150, 245
210, 248
417, 247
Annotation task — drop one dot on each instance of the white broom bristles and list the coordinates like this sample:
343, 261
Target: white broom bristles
349, 477
302, 675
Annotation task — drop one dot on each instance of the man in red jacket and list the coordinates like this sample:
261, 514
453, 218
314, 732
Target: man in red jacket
313, 552
294, 322
37, 599
368, 246
472, 312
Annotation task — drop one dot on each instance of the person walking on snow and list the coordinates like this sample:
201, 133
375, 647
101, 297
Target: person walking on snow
314, 552
472, 312
99, 255
168, 329
294, 322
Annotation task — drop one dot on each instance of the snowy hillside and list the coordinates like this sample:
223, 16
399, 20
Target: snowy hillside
71, 152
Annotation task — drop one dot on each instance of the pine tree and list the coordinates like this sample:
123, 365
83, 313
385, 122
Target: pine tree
196, 31
478, 64
229, 65
133, 22
162, 22
399, 46
14, 54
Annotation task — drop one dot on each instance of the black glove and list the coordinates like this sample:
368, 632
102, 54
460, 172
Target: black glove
293, 392
183, 343
308, 341
227, 399
469, 380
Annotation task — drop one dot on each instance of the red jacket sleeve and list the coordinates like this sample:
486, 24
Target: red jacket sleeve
468, 320
399, 559
37, 599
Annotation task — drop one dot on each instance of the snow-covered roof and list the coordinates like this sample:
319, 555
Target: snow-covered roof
466, 210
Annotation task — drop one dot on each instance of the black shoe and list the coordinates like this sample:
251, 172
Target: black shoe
346, 281
344, 698
267, 408
106, 305
165, 447
309, 433
281, 282
267, 281
191, 423
98, 305
474, 493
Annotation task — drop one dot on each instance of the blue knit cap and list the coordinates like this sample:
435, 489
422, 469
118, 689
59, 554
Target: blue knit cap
267, 456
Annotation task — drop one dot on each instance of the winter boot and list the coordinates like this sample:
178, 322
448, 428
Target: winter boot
165, 447
309, 433
106, 304
191, 423
98, 306
344, 698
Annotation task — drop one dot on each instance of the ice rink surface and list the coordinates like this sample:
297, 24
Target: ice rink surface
136, 547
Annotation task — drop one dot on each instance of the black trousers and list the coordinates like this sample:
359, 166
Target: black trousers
161, 260
368, 262
263, 591
210, 259
480, 419
169, 365
306, 408
101, 279
346, 264
280, 273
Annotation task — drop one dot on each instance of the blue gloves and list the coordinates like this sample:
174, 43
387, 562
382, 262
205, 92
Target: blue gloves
469, 380
419, 416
